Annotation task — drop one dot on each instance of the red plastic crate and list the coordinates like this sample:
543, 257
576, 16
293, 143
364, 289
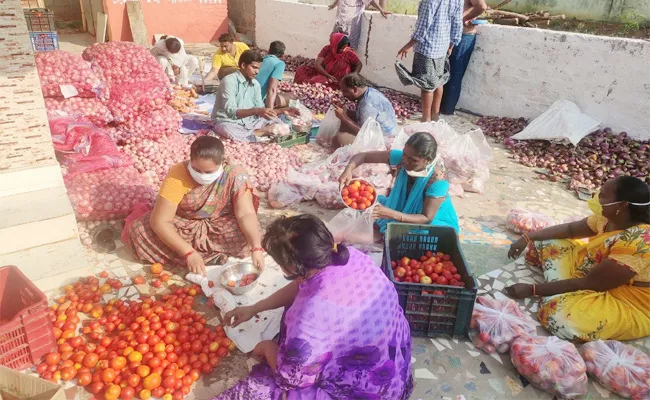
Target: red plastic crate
26, 332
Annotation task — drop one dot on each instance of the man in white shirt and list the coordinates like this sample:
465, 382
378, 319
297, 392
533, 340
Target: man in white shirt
170, 54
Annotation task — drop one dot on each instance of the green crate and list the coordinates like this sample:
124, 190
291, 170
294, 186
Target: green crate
430, 315
293, 139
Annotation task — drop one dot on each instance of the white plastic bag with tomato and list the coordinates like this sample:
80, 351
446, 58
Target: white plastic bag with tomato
622, 368
495, 324
551, 364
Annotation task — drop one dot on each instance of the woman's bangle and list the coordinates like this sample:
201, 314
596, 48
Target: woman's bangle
254, 249
189, 253
534, 290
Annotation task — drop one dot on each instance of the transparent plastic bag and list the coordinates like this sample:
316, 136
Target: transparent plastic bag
352, 227
91, 109
328, 128
306, 115
307, 185
495, 324
282, 195
522, 221
329, 196
466, 159
621, 368
59, 68
551, 364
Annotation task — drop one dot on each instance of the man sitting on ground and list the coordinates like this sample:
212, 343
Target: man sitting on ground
371, 103
170, 54
270, 76
226, 60
239, 111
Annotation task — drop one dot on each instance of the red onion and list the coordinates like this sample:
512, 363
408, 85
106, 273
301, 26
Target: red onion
90, 108
154, 124
59, 67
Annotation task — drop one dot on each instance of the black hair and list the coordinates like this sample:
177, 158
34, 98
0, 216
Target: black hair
345, 41
634, 190
250, 56
354, 80
303, 242
173, 45
277, 48
207, 147
226, 37
424, 145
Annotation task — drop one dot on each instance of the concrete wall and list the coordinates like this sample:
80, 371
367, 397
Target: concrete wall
242, 14
198, 21
515, 72
597, 10
65, 10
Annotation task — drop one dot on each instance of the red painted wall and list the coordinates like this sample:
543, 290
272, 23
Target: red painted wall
193, 21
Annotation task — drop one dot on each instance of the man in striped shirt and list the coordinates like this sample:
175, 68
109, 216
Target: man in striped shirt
439, 27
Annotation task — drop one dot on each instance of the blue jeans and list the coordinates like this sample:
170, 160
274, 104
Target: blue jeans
459, 61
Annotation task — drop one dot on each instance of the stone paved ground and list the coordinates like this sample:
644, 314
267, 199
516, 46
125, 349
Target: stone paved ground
444, 369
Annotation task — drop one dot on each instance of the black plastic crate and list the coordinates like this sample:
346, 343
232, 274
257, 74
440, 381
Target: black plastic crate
39, 20
44, 41
432, 310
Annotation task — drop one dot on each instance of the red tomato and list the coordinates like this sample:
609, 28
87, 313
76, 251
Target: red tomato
84, 378
127, 393
170, 382
96, 387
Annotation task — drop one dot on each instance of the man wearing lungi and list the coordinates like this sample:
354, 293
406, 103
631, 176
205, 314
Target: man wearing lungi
438, 29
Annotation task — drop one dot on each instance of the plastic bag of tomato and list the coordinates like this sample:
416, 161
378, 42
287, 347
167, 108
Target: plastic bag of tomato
496, 324
551, 364
621, 368
359, 195
430, 268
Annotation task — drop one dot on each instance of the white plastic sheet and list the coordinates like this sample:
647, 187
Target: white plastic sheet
562, 122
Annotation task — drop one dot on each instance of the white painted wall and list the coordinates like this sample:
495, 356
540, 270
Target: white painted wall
515, 72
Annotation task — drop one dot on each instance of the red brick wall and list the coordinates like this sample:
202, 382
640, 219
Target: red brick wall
195, 21
25, 139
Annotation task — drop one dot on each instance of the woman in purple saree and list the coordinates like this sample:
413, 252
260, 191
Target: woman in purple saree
343, 333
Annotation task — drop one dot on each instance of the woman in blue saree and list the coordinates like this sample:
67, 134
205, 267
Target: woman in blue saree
418, 195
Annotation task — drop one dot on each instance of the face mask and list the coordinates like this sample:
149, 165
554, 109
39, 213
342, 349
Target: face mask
424, 173
597, 208
204, 179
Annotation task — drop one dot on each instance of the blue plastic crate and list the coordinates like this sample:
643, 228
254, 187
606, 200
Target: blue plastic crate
44, 41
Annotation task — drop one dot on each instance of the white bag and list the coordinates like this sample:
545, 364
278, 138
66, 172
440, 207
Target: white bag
328, 128
305, 114
563, 121
352, 226
370, 137
282, 195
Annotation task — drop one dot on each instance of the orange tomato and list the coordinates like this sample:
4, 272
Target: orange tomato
84, 378
112, 392
108, 375
143, 371
135, 356
52, 358
152, 381
90, 360
118, 363
145, 394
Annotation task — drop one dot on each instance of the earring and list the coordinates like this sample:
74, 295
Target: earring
618, 211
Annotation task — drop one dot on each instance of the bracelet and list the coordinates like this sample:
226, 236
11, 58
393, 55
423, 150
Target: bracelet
254, 249
534, 290
527, 238
189, 253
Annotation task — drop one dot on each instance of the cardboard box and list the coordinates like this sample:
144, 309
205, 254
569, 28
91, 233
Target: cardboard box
15, 385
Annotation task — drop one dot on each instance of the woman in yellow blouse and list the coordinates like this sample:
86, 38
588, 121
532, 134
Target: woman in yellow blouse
600, 290
226, 59
205, 211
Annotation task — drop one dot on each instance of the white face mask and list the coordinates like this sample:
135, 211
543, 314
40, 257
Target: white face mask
424, 173
204, 179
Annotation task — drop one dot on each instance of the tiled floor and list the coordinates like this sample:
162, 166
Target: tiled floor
444, 369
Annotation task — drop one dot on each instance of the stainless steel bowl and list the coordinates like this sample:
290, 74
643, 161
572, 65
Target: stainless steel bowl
301, 128
235, 273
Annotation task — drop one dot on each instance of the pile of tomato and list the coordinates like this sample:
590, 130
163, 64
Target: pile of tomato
358, 195
146, 348
430, 268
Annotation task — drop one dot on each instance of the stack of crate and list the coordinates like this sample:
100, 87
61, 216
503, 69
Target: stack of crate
42, 31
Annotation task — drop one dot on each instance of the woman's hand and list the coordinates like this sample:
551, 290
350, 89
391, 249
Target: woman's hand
258, 260
517, 248
405, 50
239, 315
268, 349
520, 290
385, 14
196, 264
381, 212
346, 177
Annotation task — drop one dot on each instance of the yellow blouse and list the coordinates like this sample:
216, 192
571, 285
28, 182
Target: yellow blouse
630, 247
177, 184
221, 59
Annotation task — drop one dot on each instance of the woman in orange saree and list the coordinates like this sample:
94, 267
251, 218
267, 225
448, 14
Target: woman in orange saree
204, 212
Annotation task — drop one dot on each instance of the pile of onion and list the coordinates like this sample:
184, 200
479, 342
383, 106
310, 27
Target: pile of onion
154, 124
598, 157
107, 194
128, 101
56, 68
91, 108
